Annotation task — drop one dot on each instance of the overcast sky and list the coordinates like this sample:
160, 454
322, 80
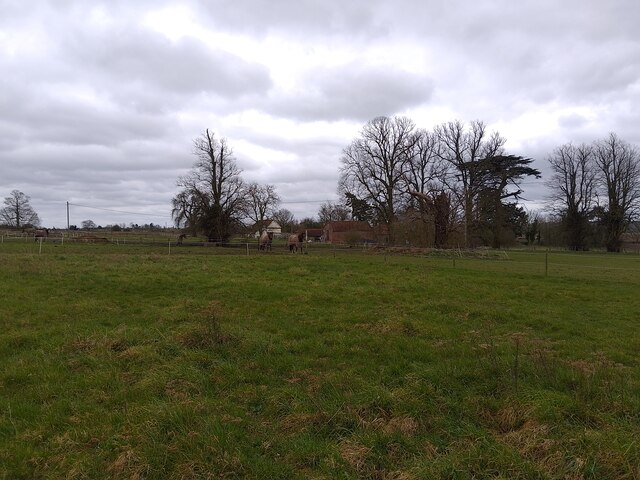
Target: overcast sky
100, 100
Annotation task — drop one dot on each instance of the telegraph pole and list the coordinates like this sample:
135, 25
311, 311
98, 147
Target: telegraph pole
67, 215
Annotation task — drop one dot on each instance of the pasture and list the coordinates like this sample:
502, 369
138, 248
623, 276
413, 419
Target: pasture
123, 362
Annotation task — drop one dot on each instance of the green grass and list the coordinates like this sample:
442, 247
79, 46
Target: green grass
120, 363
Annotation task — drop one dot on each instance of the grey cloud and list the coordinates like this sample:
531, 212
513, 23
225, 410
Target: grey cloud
602, 71
141, 75
353, 93
311, 175
96, 161
541, 51
43, 115
320, 144
305, 18
489, 60
306, 169
483, 25
572, 121
138, 78
320, 165
304, 197
184, 67
625, 121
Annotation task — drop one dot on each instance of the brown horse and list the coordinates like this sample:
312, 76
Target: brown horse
42, 233
181, 237
295, 242
266, 239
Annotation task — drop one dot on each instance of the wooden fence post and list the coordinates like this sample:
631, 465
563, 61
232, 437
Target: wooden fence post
546, 263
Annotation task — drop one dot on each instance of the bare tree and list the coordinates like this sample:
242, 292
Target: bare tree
88, 225
186, 210
18, 212
215, 187
464, 148
425, 170
440, 207
374, 165
424, 178
532, 227
330, 211
261, 201
619, 171
572, 187
285, 219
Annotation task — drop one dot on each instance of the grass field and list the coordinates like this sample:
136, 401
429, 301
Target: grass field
133, 363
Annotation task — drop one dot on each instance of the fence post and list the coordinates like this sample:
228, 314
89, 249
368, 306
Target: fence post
169, 247
546, 263
40, 249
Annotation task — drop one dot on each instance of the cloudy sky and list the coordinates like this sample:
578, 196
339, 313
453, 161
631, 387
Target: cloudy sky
100, 100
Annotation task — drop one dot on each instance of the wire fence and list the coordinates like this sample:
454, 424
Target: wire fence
531, 261
138, 242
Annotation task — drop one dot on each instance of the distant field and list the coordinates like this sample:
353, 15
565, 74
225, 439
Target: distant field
123, 361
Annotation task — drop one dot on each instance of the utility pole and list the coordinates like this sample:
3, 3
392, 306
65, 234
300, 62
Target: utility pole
67, 215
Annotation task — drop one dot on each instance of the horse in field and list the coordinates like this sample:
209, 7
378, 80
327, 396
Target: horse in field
181, 237
266, 239
295, 242
41, 233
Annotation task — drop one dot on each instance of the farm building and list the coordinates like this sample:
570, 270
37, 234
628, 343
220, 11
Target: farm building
351, 232
268, 225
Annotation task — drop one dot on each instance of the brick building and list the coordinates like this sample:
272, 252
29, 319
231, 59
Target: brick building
351, 232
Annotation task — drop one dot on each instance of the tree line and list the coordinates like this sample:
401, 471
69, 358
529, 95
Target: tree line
595, 191
457, 177
461, 179
456, 183
391, 169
